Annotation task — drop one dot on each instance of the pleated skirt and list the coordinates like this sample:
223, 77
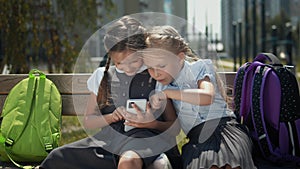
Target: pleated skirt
218, 142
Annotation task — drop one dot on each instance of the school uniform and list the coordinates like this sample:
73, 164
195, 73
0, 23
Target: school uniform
103, 149
215, 137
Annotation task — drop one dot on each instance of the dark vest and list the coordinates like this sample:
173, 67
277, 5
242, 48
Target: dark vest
125, 87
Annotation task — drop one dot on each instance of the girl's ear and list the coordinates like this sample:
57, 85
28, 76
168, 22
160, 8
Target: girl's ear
181, 55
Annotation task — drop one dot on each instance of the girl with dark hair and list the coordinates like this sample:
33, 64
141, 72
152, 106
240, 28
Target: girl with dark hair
110, 87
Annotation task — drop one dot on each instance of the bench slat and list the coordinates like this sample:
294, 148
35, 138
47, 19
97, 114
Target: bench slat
73, 105
228, 78
66, 83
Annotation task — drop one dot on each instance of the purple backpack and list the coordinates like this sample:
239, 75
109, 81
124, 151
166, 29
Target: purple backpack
266, 100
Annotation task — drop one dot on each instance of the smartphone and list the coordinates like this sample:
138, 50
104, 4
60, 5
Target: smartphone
140, 103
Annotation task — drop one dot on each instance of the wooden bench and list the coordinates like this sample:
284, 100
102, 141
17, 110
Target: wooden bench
74, 96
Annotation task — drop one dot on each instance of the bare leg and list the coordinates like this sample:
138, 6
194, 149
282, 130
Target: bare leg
162, 162
237, 168
225, 167
229, 167
130, 159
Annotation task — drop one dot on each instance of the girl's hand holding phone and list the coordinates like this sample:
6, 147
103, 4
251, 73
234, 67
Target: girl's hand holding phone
141, 119
117, 114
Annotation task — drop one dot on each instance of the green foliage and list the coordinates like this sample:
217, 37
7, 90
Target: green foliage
13, 27
46, 31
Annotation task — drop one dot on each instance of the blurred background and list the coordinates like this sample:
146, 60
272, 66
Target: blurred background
49, 34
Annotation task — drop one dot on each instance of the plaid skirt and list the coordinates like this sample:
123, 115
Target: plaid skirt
218, 142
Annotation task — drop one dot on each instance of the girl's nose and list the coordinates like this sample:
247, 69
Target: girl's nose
156, 72
126, 67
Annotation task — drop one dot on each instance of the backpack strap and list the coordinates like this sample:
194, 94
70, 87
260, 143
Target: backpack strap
17, 164
258, 118
16, 130
246, 89
238, 85
45, 135
263, 57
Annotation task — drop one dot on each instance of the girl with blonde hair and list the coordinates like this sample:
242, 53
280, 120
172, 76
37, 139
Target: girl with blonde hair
216, 139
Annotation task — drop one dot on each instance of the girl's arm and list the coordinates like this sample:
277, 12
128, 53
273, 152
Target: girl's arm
170, 120
203, 95
93, 117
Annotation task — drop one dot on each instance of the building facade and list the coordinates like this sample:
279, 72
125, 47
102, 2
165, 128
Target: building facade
233, 11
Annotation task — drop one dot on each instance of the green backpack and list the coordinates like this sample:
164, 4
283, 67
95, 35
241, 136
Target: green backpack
30, 120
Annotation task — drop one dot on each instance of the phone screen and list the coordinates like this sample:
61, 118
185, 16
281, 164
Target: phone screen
140, 103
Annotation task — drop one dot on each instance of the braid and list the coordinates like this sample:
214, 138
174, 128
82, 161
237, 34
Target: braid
222, 90
191, 55
104, 93
125, 34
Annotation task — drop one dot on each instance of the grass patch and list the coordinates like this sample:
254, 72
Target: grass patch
71, 130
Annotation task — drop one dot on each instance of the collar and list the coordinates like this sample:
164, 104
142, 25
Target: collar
182, 75
142, 68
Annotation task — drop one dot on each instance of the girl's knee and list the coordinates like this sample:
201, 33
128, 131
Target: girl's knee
130, 159
162, 162
229, 167
214, 167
